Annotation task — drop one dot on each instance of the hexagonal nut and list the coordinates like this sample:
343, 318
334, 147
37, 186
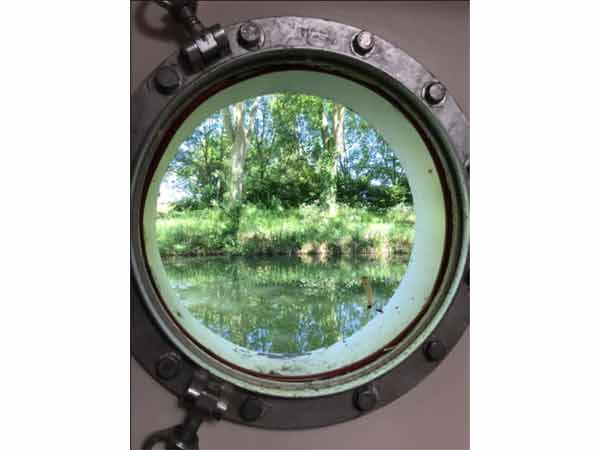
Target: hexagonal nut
252, 409
365, 398
363, 43
168, 366
250, 35
434, 93
167, 80
435, 350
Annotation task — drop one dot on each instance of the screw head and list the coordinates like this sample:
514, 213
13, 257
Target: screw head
167, 80
252, 409
365, 399
434, 93
168, 366
250, 35
363, 42
435, 350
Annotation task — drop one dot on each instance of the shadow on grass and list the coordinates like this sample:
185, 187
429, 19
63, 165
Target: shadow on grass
305, 230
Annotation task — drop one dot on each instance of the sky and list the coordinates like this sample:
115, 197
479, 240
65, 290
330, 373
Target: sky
169, 193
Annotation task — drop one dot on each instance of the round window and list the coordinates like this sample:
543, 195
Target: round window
299, 222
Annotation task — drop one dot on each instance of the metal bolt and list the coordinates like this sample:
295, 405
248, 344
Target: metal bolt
435, 350
363, 43
365, 399
252, 409
250, 35
167, 80
434, 93
220, 410
168, 366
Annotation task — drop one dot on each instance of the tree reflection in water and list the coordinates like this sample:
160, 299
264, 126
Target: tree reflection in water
284, 304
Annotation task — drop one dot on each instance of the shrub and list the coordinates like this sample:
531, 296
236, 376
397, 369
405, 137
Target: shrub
252, 230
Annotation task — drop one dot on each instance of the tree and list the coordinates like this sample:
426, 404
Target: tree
286, 150
334, 148
239, 121
198, 167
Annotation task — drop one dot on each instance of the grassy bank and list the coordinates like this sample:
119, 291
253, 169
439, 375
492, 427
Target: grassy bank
305, 230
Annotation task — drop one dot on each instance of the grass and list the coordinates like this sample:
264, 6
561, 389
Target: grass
305, 230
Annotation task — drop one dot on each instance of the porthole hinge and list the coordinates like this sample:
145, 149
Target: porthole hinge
203, 46
204, 400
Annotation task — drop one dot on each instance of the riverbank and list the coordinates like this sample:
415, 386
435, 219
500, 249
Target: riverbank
306, 230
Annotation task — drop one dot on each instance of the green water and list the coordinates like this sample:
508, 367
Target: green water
283, 304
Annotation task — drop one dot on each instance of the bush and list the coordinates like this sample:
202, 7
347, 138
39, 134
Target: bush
253, 230
360, 192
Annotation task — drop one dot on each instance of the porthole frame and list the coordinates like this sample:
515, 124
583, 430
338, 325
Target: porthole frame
320, 45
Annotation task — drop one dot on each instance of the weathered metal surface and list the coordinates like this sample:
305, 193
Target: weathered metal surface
304, 44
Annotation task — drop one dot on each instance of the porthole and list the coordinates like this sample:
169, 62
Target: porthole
404, 293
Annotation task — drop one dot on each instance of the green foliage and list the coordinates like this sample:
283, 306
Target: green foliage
287, 197
291, 159
360, 192
295, 168
304, 230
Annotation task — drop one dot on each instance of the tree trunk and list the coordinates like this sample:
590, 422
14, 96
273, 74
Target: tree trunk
336, 149
238, 162
239, 131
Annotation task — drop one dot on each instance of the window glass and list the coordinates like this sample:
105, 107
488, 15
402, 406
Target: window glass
284, 223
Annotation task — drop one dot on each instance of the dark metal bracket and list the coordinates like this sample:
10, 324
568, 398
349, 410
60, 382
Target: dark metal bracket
203, 45
204, 400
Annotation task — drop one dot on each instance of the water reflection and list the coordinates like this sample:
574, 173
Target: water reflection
284, 304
